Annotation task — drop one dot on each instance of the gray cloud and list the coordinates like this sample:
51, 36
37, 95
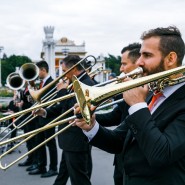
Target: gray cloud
106, 25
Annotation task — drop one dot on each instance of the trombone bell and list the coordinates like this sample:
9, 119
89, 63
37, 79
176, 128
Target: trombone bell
29, 71
14, 81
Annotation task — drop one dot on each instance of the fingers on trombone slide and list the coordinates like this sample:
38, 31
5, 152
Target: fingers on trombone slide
39, 112
63, 84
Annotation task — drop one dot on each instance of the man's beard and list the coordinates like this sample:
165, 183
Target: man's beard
158, 69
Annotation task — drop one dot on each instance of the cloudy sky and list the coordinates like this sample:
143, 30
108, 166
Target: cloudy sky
105, 25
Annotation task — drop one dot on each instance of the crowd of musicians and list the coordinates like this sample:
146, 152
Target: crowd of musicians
149, 138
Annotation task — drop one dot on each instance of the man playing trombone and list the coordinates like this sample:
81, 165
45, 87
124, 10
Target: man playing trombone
152, 138
40, 167
130, 55
76, 161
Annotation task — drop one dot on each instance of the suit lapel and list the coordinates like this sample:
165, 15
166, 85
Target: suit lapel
170, 101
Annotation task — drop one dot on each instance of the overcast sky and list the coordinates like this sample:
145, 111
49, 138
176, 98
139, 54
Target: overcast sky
105, 25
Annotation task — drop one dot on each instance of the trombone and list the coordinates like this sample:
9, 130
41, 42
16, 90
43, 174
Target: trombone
96, 95
33, 133
30, 72
48, 126
36, 95
136, 72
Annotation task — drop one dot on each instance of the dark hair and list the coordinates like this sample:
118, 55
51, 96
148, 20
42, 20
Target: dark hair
134, 51
71, 60
170, 40
130, 47
113, 75
87, 64
134, 55
43, 64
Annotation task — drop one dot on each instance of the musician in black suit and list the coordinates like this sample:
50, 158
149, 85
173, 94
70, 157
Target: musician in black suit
153, 141
130, 54
26, 101
76, 161
52, 147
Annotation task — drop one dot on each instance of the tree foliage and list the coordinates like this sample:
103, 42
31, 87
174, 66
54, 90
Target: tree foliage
9, 64
113, 63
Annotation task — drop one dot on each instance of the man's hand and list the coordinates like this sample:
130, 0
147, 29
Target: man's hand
136, 95
81, 122
40, 112
62, 85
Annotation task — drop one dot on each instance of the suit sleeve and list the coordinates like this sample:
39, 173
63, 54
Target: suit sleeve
110, 140
108, 119
62, 106
162, 141
115, 117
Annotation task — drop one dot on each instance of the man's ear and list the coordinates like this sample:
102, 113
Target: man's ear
171, 60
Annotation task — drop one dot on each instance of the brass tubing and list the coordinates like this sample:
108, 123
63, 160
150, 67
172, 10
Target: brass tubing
38, 107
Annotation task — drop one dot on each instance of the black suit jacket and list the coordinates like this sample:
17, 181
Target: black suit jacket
43, 121
157, 155
73, 138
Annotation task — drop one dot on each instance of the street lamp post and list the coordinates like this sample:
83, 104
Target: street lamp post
1, 48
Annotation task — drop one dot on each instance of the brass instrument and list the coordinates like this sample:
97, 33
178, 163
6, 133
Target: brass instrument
14, 81
36, 95
95, 71
134, 73
95, 95
29, 72
33, 133
48, 126
87, 95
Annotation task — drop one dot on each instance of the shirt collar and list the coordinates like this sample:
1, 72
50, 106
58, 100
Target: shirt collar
171, 89
45, 79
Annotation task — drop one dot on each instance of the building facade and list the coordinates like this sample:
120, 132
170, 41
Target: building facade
53, 51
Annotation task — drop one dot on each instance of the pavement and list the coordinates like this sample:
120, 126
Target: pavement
102, 173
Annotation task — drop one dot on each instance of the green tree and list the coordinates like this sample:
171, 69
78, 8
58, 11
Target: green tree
113, 63
9, 64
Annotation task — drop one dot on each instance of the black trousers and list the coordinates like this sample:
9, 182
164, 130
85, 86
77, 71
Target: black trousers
118, 170
31, 143
52, 147
77, 166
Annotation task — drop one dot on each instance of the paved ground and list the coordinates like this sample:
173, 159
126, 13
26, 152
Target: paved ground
102, 171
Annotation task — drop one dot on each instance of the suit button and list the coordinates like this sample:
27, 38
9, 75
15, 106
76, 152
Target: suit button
134, 130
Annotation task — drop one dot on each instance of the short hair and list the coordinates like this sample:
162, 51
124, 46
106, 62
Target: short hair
170, 40
130, 47
134, 51
134, 54
87, 64
71, 60
43, 64
113, 75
